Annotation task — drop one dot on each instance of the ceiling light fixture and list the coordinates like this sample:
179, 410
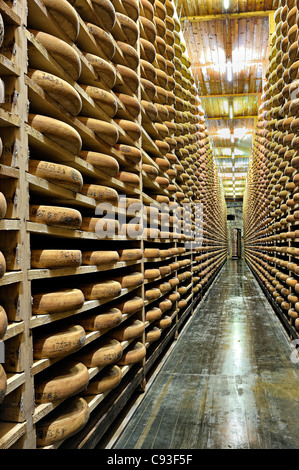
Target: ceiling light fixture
226, 4
231, 112
229, 69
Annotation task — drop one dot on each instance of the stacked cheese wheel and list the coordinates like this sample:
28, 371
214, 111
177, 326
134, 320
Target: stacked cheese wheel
271, 198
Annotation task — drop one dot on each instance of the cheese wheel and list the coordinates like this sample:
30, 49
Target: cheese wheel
130, 54
3, 206
151, 253
2, 265
98, 258
131, 153
148, 90
164, 287
63, 422
130, 329
150, 110
128, 178
58, 301
3, 322
174, 297
58, 89
164, 322
130, 254
135, 353
57, 216
104, 130
150, 171
152, 294
65, 17
104, 41
103, 162
164, 270
153, 314
182, 303
130, 280
165, 304
147, 49
105, 381
130, 306
48, 259
131, 128
101, 321
104, 228
148, 71
151, 273
153, 334
3, 384
106, 13
57, 131
61, 175
132, 8
100, 193
148, 29
105, 100
59, 343
130, 103
64, 54
66, 380
105, 71
128, 28
128, 77
102, 290
102, 352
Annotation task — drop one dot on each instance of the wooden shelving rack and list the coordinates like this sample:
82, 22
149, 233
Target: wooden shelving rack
191, 178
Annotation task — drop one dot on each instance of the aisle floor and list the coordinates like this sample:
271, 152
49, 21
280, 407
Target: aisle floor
228, 383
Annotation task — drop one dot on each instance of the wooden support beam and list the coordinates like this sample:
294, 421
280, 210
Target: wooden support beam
230, 16
227, 118
231, 95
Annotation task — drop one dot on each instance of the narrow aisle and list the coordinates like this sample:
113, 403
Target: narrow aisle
229, 382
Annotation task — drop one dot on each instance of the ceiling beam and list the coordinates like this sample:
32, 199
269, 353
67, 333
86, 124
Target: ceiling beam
229, 16
231, 95
227, 118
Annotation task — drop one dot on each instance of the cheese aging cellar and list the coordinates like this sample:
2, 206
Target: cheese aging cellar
149, 289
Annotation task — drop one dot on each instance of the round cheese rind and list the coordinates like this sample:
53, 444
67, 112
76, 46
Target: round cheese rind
102, 290
64, 54
106, 72
59, 343
3, 322
97, 258
64, 381
101, 321
65, 17
100, 353
103, 162
132, 328
55, 173
57, 131
58, 89
48, 259
58, 301
134, 353
105, 130
56, 216
63, 422
105, 100
105, 381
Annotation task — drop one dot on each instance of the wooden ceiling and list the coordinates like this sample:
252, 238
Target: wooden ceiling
215, 37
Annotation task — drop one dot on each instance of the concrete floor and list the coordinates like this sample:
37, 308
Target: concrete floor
229, 382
